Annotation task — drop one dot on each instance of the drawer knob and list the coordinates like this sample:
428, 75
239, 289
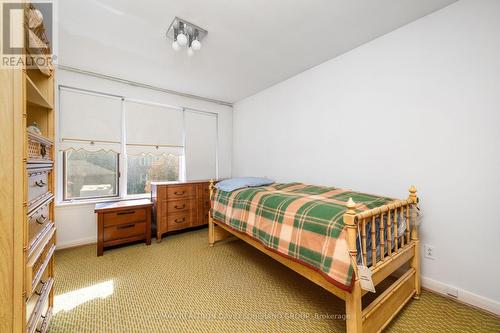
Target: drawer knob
40, 183
41, 219
180, 220
180, 207
179, 193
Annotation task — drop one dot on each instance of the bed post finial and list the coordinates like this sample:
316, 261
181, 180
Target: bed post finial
350, 206
414, 212
211, 186
413, 193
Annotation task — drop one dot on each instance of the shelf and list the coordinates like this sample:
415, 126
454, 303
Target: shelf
39, 138
35, 96
45, 70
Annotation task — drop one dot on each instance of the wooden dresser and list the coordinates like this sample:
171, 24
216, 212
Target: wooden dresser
123, 222
27, 228
179, 206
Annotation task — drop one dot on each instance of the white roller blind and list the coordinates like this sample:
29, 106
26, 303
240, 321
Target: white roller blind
201, 145
88, 116
150, 124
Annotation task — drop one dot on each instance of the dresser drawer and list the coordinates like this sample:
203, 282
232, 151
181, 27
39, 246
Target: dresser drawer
38, 221
38, 309
178, 206
38, 180
125, 216
179, 221
179, 192
123, 231
205, 202
202, 191
39, 260
202, 215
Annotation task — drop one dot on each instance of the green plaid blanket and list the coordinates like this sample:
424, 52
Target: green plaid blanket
301, 222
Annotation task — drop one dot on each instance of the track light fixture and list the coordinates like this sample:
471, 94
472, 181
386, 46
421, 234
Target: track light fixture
185, 34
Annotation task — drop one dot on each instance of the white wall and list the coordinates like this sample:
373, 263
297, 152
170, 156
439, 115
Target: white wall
76, 223
420, 105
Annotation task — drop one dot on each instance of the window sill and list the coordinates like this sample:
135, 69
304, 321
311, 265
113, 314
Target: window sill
101, 200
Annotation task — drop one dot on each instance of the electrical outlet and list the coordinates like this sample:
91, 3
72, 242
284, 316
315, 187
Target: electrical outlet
429, 252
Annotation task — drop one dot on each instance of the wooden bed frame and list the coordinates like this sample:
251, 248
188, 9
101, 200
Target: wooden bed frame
405, 250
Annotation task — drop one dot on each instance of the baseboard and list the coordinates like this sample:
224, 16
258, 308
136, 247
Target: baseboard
76, 242
464, 296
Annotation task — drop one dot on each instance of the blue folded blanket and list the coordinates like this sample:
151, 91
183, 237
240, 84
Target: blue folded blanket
233, 184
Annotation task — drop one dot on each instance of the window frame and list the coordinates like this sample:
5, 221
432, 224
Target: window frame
93, 198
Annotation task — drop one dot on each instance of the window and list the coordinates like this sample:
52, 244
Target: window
90, 174
142, 170
201, 144
90, 141
103, 136
154, 143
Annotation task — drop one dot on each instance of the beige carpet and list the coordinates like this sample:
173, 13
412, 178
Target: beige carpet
182, 285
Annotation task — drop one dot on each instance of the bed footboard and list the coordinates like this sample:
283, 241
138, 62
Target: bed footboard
395, 244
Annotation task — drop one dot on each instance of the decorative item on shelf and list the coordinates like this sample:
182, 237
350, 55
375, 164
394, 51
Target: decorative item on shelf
185, 34
39, 49
33, 128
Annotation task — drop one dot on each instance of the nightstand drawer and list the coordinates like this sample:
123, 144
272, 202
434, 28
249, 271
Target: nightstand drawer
179, 221
178, 206
124, 231
125, 216
179, 192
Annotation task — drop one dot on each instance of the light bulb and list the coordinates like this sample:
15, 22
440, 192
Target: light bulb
175, 46
182, 39
190, 52
196, 45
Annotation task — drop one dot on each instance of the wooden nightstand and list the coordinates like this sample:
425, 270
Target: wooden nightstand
123, 222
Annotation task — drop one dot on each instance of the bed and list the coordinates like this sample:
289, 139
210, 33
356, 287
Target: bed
327, 235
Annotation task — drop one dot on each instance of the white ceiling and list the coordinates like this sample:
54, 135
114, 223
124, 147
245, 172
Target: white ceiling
251, 44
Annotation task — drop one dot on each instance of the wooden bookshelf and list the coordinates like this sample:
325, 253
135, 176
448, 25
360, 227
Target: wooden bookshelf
39, 160
27, 231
